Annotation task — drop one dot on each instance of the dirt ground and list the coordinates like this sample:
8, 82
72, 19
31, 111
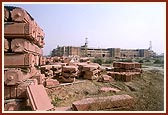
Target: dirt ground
147, 90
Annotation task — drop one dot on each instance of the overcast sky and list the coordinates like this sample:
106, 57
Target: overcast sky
112, 25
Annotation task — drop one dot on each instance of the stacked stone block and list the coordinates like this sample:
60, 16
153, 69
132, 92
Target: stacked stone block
69, 73
124, 71
89, 71
127, 67
23, 43
46, 70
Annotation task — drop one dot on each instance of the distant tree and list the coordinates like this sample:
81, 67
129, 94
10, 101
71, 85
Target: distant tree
147, 60
109, 61
140, 61
98, 60
126, 60
157, 61
53, 52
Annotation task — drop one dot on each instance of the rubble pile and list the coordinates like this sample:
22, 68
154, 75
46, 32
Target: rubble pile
127, 67
23, 43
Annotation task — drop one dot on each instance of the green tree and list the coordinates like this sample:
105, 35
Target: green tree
140, 61
109, 61
157, 61
53, 52
98, 60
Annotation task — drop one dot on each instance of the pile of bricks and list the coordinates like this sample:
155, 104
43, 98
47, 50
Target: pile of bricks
56, 59
57, 69
23, 43
69, 73
43, 60
51, 70
65, 59
89, 71
127, 67
84, 59
124, 71
124, 76
46, 70
80, 68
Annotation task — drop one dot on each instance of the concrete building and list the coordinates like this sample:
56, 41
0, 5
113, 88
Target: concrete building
66, 51
114, 52
97, 52
101, 52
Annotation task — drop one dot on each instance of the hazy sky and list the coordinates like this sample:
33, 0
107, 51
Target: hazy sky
106, 25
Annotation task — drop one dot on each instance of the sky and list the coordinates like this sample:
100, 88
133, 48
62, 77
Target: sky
106, 25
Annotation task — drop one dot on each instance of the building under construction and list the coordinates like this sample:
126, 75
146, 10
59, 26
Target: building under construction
102, 52
85, 51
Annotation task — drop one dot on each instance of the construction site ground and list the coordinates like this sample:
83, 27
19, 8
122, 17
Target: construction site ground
147, 90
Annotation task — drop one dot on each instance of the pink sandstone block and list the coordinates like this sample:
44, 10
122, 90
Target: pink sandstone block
51, 82
38, 98
109, 89
63, 109
101, 103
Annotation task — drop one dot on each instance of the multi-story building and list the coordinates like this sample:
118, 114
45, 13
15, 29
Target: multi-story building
102, 52
97, 52
66, 51
114, 52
